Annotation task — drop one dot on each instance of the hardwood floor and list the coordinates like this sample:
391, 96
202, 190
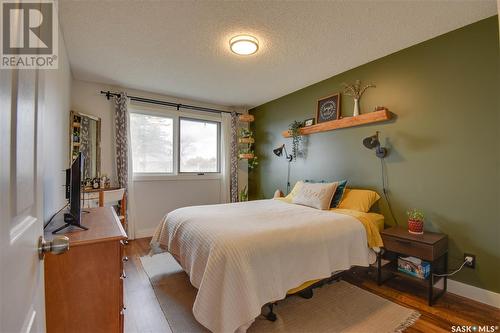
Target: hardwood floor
449, 310
144, 314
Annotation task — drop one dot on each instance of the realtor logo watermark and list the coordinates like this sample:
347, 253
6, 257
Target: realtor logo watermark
29, 34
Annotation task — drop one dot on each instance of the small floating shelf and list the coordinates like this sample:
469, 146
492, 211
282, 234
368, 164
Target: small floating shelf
246, 118
246, 140
246, 156
367, 118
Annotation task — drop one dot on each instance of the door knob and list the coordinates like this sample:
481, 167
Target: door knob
58, 245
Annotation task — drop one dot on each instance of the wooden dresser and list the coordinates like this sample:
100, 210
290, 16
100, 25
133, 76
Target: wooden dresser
84, 286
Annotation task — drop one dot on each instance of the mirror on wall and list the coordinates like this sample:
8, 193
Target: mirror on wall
85, 137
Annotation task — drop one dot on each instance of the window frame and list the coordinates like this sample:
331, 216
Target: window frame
201, 173
176, 115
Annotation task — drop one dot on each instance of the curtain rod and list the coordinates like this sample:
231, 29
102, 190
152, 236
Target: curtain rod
109, 94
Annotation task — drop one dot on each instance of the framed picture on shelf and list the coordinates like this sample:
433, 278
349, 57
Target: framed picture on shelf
309, 122
328, 108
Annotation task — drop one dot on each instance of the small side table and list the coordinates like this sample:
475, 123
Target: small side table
430, 246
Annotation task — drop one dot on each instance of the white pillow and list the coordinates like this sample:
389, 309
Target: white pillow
315, 195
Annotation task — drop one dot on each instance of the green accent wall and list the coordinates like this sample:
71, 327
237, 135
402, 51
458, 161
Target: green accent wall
444, 145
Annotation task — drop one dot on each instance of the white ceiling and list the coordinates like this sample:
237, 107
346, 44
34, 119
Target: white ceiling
181, 48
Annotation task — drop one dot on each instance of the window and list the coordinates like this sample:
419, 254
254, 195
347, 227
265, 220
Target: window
152, 143
169, 144
198, 146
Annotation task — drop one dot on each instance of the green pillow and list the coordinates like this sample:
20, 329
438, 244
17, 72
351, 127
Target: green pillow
339, 193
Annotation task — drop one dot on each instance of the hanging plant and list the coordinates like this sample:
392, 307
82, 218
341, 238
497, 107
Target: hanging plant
253, 162
294, 130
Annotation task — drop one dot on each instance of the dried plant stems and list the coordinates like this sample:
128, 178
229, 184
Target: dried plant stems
354, 90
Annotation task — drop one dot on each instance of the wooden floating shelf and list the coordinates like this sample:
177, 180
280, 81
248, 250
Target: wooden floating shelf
246, 118
247, 156
367, 118
246, 140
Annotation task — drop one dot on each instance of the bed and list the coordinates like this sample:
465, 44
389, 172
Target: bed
241, 256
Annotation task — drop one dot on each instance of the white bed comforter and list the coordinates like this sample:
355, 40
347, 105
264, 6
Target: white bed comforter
241, 256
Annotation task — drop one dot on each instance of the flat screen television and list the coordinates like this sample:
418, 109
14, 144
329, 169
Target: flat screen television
75, 189
73, 193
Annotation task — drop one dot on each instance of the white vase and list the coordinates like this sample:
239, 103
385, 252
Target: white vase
356, 108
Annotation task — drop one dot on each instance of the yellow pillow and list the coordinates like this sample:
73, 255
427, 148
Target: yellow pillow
360, 200
294, 192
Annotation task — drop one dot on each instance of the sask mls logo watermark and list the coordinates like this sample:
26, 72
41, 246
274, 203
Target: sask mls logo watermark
29, 36
474, 329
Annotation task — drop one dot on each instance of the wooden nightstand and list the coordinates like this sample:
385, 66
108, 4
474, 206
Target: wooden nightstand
431, 247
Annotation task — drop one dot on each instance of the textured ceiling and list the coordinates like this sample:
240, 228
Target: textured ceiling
181, 48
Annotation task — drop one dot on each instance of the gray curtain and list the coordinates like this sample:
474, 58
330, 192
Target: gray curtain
121, 141
234, 157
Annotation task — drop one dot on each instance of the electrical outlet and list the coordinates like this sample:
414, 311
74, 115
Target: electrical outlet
471, 264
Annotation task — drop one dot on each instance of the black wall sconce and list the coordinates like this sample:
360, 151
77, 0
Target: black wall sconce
279, 152
373, 142
381, 152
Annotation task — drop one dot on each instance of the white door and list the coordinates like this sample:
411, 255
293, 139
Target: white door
21, 271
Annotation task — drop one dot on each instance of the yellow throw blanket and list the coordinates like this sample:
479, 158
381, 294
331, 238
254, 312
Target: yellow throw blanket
369, 221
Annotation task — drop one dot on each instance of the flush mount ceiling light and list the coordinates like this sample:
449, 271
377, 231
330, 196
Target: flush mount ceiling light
244, 44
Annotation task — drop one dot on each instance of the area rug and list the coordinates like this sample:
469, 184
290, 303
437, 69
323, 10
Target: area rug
337, 307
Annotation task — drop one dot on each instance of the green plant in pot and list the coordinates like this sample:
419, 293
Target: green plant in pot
253, 162
245, 133
415, 221
244, 194
294, 131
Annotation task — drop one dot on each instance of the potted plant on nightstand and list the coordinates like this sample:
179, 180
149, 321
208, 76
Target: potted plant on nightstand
415, 221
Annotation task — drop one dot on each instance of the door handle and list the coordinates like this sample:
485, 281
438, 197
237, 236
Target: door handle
58, 245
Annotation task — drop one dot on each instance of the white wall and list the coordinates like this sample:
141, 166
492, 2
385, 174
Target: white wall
55, 119
156, 198
153, 199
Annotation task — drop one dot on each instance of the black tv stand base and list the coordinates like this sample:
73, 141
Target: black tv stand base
70, 222
69, 225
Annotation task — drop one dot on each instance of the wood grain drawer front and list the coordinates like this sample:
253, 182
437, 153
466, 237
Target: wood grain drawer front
84, 292
83, 289
403, 246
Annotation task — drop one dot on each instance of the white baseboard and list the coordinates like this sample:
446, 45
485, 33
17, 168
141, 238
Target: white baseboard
148, 232
475, 293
